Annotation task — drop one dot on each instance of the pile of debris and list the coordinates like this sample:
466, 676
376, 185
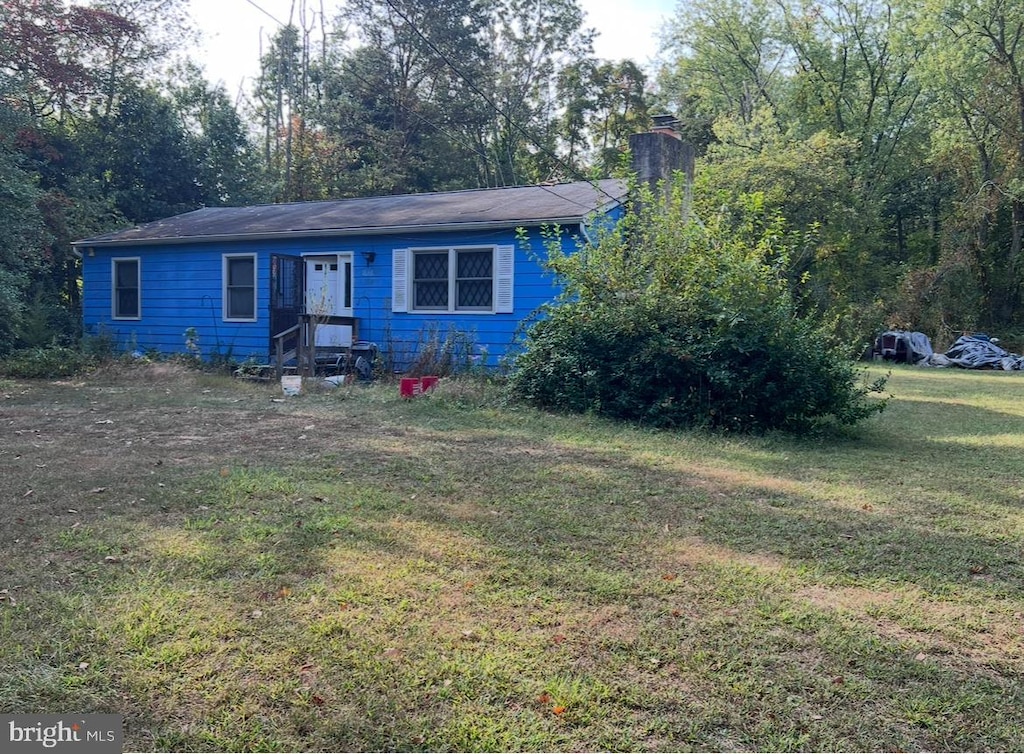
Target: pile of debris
977, 351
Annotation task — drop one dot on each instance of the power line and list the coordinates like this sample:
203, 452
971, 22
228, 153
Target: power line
266, 13
457, 138
508, 118
370, 88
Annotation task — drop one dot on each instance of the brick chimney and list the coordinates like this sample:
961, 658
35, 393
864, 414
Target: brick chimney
661, 152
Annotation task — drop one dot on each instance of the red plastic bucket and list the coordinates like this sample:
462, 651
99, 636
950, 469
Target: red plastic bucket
409, 387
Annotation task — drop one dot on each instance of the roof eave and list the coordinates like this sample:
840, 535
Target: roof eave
337, 232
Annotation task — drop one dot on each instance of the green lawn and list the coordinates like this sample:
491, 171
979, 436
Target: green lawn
349, 571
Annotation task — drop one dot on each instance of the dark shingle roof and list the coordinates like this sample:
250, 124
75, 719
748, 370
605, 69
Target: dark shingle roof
454, 210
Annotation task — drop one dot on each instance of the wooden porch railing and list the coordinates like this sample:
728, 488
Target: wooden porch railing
304, 350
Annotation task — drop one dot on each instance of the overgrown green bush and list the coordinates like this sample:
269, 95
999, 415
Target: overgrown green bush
46, 363
674, 322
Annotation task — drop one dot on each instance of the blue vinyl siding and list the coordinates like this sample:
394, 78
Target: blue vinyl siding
182, 288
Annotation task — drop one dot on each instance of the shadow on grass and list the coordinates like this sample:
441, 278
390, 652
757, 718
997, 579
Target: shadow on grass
410, 588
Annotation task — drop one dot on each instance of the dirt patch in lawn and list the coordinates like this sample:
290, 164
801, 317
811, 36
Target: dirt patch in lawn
98, 444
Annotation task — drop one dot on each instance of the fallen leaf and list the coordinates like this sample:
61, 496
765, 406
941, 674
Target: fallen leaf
677, 613
558, 638
225, 471
668, 577
98, 490
111, 559
393, 652
83, 666
318, 701
283, 593
544, 698
838, 680
921, 656
558, 710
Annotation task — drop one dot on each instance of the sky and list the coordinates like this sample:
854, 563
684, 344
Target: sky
232, 30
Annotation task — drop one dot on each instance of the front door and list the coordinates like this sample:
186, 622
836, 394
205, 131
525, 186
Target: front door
329, 297
329, 285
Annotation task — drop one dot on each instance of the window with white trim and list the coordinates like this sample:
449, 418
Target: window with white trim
240, 287
454, 279
127, 284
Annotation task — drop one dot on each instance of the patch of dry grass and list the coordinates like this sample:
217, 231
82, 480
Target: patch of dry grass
349, 571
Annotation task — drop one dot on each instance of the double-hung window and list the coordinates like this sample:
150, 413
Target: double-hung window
456, 279
240, 287
127, 302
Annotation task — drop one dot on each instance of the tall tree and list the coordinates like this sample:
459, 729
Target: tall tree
726, 56
416, 79
530, 42
229, 169
857, 77
603, 103
46, 52
976, 63
21, 232
143, 157
162, 27
821, 98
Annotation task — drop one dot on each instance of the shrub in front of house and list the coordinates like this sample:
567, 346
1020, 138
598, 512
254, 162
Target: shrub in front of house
678, 323
651, 364
45, 363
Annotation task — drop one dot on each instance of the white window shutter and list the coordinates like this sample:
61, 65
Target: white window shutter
400, 280
504, 267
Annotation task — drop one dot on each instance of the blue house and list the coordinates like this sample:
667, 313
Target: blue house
277, 283
392, 270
